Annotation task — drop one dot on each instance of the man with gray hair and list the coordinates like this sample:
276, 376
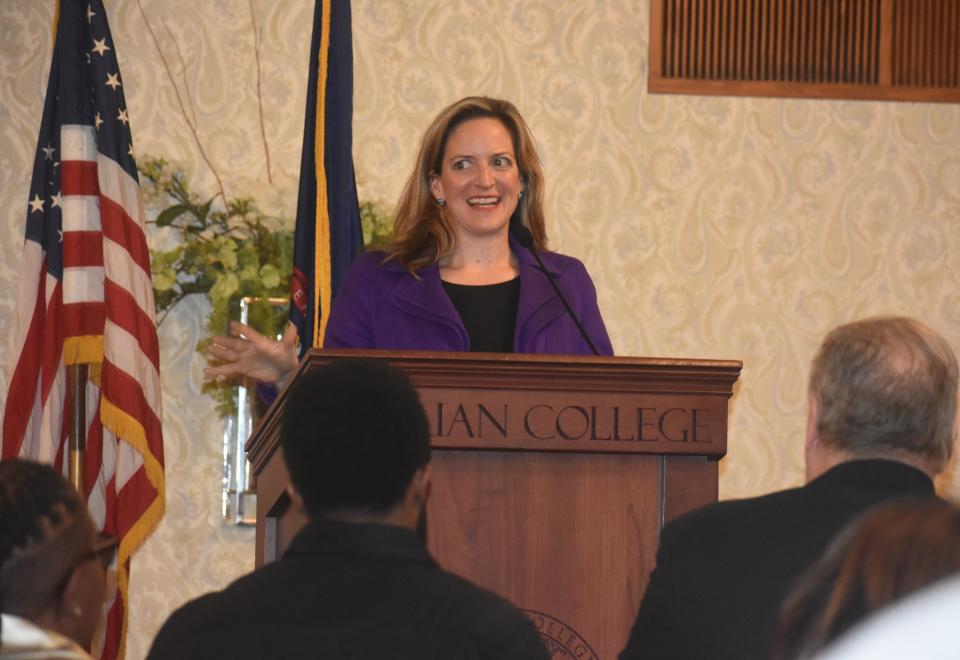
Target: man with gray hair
882, 424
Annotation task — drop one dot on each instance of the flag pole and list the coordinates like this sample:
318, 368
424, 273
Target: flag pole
77, 424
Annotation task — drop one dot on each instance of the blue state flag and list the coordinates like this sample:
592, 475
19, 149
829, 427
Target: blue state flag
328, 233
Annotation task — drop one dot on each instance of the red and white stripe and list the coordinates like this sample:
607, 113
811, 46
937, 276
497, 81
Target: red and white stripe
105, 291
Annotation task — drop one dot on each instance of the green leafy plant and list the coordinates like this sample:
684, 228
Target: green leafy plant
226, 251
377, 224
226, 248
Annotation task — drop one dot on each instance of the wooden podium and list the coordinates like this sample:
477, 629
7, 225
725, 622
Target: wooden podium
552, 476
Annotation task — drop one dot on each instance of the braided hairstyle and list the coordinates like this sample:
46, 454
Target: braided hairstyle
36, 506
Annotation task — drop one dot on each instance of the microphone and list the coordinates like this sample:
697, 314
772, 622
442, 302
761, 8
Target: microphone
525, 238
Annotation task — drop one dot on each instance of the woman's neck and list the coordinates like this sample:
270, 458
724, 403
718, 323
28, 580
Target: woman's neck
479, 262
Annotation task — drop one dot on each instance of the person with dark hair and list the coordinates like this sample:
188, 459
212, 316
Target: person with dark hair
457, 275
357, 581
881, 424
883, 556
922, 625
52, 565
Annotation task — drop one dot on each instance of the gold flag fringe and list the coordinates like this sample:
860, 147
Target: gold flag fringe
86, 349
322, 277
127, 428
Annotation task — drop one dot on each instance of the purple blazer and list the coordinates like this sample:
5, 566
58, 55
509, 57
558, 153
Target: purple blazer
384, 306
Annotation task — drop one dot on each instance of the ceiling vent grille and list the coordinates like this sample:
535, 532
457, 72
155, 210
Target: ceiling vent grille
870, 49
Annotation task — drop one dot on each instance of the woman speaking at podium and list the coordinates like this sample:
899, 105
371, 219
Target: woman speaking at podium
467, 268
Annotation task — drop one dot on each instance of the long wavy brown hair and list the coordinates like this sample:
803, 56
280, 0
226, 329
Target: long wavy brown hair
879, 558
423, 231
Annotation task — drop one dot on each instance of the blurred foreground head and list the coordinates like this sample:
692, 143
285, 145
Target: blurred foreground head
878, 559
49, 552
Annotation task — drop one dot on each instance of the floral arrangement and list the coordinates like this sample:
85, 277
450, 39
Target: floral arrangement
226, 248
226, 252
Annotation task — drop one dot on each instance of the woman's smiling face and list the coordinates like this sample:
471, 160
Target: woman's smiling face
479, 179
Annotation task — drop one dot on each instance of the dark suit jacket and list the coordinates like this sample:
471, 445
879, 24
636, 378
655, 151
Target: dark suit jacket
349, 591
723, 571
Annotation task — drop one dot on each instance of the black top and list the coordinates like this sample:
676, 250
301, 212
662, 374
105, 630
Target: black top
350, 591
488, 312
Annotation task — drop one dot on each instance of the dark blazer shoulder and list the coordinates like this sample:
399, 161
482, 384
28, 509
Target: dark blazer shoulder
222, 609
466, 599
492, 621
720, 516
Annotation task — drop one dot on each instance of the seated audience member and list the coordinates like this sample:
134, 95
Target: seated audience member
357, 582
51, 565
923, 626
888, 553
881, 424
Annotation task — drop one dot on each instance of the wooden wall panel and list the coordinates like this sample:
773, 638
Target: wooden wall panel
870, 49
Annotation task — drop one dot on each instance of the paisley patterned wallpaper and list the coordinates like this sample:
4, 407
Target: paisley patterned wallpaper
714, 227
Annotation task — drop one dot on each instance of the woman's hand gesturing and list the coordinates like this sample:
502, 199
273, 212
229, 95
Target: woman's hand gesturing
248, 353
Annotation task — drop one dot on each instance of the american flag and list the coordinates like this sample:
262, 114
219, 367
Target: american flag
85, 297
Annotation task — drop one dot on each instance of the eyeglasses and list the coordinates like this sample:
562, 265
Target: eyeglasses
104, 550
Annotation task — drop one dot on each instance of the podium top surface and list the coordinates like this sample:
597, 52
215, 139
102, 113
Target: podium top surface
544, 369
551, 403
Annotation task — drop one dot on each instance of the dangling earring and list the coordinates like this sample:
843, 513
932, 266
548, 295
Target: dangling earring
441, 201
520, 198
